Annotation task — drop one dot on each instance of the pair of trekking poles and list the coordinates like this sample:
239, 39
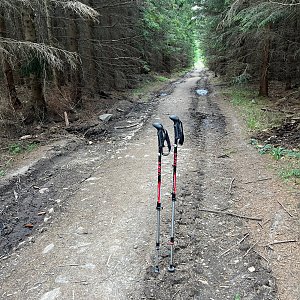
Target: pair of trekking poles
163, 138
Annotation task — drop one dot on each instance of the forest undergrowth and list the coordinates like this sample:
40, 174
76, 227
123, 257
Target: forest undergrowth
273, 125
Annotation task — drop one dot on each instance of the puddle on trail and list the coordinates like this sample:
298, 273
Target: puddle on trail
202, 92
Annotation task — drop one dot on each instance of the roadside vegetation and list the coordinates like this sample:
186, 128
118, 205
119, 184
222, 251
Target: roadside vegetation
261, 118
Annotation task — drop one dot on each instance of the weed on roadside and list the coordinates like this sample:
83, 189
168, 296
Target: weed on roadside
237, 297
290, 168
18, 148
252, 109
290, 173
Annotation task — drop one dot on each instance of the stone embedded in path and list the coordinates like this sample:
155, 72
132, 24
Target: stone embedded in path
48, 248
105, 117
51, 295
202, 92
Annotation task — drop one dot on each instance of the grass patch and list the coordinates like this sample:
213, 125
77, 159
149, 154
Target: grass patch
237, 297
251, 107
161, 78
19, 148
288, 160
290, 174
10, 154
154, 83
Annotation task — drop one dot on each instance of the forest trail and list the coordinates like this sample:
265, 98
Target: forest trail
102, 243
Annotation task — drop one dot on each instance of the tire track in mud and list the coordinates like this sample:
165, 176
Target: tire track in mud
212, 255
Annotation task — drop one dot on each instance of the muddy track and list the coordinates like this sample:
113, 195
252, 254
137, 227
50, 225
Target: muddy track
210, 247
48, 183
99, 239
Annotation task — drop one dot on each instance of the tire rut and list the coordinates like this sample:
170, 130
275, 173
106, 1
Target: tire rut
210, 252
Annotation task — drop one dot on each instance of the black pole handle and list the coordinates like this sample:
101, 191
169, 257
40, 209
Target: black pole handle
163, 136
178, 129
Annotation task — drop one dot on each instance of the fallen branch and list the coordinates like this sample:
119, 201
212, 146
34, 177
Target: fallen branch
259, 254
128, 126
281, 242
238, 243
262, 179
250, 249
69, 265
245, 236
230, 187
277, 110
229, 214
285, 209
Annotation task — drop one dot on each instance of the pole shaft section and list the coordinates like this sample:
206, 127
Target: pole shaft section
172, 236
158, 208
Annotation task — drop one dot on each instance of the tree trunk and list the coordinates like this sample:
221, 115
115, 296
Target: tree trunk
93, 76
76, 78
38, 102
8, 72
264, 78
50, 40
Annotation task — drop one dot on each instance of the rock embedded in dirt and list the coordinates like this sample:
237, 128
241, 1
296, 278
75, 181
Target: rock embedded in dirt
105, 117
48, 248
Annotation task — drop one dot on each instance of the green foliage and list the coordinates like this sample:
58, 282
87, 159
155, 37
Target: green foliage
2, 173
290, 173
251, 106
276, 152
17, 148
169, 30
237, 297
161, 78
235, 34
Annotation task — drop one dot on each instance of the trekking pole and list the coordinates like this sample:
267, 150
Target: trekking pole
162, 136
178, 139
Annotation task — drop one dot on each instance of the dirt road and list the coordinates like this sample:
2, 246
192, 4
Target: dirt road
97, 238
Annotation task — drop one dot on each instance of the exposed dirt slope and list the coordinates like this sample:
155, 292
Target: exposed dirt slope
99, 242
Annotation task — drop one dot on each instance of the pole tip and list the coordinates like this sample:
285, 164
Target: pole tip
171, 269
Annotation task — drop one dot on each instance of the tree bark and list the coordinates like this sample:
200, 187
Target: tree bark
93, 76
264, 78
50, 40
8, 71
38, 102
76, 76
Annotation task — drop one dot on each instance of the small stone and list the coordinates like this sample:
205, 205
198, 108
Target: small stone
105, 117
47, 219
251, 269
25, 137
81, 230
48, 248
51, 295
51, 210
43, 190
61, 279
135, 246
